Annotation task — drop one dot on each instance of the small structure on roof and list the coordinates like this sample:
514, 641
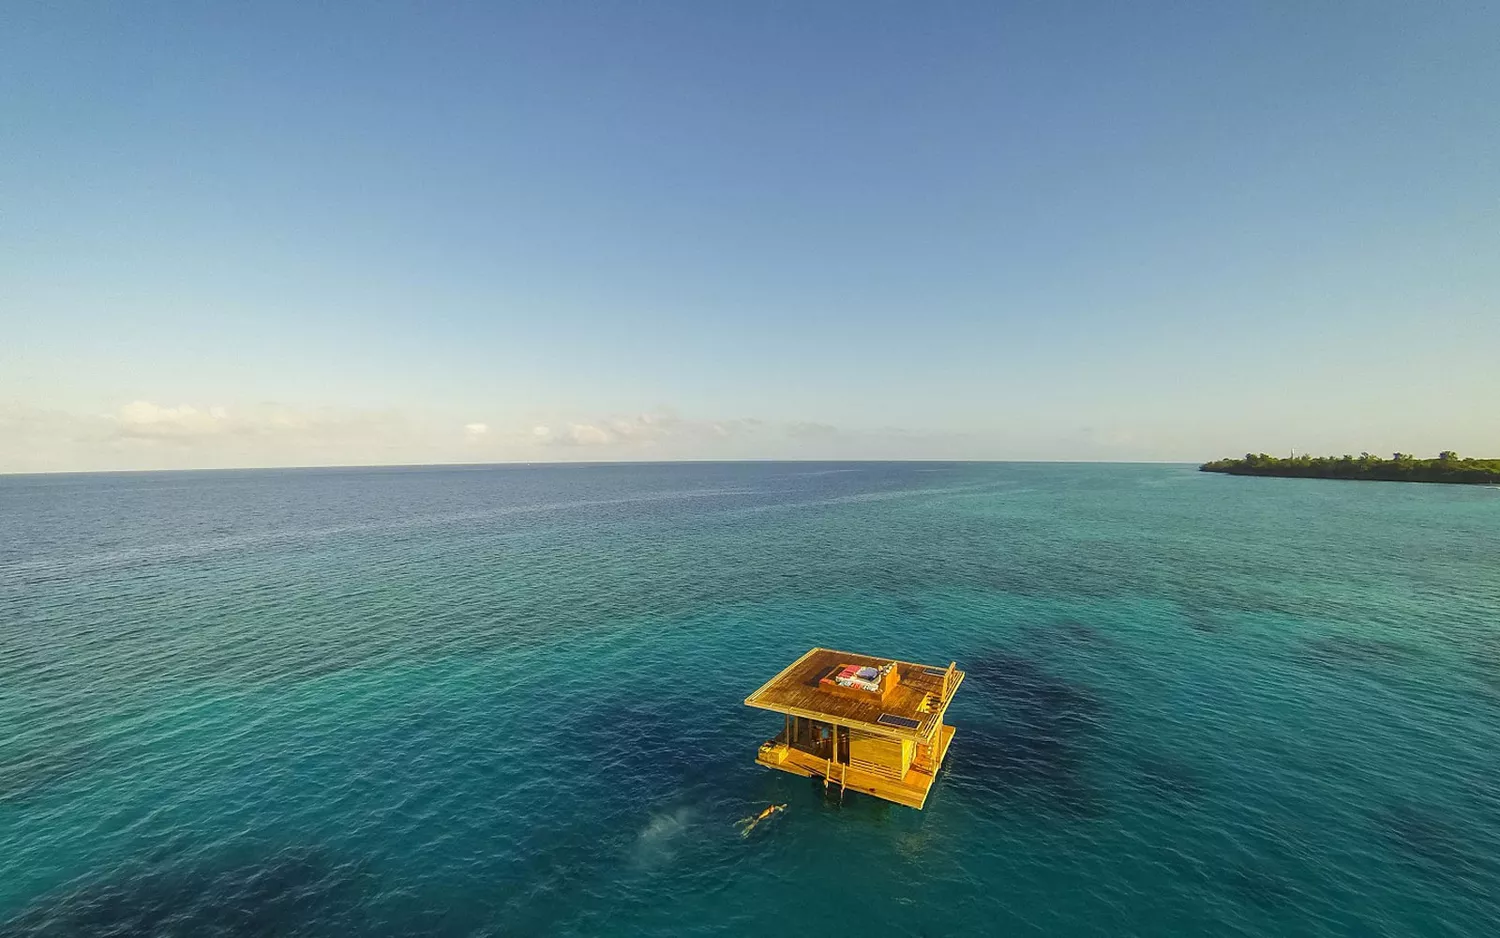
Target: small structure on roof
871, 724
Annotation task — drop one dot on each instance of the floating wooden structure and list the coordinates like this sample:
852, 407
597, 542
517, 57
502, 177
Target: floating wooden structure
873, 725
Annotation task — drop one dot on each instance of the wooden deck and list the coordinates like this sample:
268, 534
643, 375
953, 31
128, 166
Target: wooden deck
910, 791
920, 695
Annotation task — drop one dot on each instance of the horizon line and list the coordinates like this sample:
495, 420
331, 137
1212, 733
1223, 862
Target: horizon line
597, 462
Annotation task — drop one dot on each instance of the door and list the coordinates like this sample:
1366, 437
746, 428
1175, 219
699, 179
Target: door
812, 736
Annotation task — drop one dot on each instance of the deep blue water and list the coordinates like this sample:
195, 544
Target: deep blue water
470, 701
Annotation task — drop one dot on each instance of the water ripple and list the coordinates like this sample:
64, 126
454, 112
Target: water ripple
507, 701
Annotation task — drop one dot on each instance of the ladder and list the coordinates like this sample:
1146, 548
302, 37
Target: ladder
843, 777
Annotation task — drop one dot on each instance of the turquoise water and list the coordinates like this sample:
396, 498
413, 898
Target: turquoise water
470, 701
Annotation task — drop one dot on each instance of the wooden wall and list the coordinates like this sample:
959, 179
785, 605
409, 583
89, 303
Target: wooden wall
879, 754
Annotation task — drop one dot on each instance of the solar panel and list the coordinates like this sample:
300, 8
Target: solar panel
890, 719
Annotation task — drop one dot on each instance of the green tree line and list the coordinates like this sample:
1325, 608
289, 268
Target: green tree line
1401, 467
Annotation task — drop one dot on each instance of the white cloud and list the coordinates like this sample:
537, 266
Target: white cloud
808, 430
143, 434
206, 429
646, 431
586, 434
186, 424
150, 421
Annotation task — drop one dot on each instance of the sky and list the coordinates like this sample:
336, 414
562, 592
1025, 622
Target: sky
333, 234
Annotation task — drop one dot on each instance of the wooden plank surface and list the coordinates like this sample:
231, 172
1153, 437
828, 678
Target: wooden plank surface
796, 690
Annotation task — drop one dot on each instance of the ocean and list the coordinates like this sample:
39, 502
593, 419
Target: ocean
508, 701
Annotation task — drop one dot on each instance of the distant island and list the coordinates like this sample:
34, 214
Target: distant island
1401, 467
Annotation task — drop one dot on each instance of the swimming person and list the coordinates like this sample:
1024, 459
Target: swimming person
750, 822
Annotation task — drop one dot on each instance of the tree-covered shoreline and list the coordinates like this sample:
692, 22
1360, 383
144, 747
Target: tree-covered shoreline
1448, 467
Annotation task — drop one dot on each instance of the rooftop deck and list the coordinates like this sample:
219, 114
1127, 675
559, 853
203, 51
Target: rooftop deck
919, 696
